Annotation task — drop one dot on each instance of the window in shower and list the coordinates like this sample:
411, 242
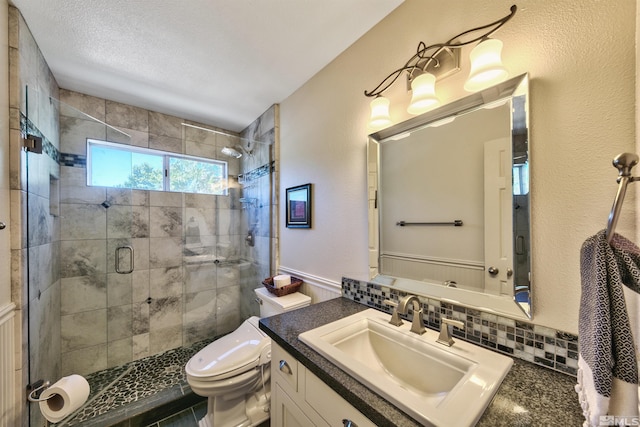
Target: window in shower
124, 166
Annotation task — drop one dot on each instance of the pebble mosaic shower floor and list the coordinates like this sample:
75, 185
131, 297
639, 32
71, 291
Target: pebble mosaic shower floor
120, 393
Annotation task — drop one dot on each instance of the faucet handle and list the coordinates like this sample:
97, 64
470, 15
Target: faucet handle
417, 325
445, 337
395, 318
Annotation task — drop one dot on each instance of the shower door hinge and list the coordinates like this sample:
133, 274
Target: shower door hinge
32, 143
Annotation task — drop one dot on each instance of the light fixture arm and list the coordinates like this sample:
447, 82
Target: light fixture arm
422, 58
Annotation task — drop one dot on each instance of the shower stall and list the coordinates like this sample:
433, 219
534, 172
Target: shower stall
107, 276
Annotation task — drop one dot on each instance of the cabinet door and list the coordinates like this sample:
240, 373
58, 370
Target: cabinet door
285, 412
330, 405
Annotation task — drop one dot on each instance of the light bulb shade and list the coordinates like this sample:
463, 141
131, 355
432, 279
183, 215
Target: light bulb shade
486, 66
423, 94
379, 112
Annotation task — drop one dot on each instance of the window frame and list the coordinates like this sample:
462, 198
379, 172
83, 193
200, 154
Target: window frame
166, 158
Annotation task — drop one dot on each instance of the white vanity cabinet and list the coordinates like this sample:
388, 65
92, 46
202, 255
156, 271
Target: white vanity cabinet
300, 399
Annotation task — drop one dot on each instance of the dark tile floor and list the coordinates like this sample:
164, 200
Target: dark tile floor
189, 418
186, 418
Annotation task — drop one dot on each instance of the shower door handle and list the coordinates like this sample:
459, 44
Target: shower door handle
118, 250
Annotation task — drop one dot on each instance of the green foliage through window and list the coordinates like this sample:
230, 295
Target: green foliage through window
193, 176
124, 166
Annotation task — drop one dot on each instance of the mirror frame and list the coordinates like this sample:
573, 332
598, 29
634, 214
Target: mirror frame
519, 305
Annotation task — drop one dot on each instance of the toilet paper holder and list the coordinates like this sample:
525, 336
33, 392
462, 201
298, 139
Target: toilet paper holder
36, 390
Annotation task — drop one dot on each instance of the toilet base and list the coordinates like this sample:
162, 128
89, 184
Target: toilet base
238, 412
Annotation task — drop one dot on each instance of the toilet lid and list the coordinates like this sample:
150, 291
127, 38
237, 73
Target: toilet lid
286, 302
241, 348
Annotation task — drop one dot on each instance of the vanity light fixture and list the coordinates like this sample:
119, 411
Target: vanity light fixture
422, 67
423, 94
380, 112
486, 66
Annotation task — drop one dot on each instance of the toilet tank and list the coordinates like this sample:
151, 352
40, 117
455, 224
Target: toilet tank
271, 305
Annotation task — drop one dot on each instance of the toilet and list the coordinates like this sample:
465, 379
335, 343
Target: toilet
233, 372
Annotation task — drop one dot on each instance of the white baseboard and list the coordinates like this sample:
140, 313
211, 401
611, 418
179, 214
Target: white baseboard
7, 365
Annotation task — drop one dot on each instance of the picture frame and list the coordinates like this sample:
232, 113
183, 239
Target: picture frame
298, 202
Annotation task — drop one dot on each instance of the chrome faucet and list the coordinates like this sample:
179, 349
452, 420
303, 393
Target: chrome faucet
445, 337
417, 325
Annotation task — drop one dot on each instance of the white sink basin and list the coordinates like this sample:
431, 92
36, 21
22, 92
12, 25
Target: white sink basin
435, 384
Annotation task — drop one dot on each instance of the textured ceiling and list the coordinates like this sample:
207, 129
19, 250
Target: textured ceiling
220, 62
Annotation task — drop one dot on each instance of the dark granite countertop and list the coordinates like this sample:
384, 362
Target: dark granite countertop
529, 395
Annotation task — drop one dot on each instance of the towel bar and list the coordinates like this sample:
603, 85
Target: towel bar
624, 163
455, 223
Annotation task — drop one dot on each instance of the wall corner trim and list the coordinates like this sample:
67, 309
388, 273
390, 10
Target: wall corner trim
7, 311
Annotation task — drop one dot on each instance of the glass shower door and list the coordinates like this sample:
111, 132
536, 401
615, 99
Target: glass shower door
38, 174
71, 251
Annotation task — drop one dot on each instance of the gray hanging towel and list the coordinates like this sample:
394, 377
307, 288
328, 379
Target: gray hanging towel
608, 362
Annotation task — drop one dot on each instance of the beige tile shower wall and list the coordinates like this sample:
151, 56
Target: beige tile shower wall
259, 138
168, 301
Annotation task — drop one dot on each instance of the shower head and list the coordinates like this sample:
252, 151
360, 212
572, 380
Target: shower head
237, 151
231, 152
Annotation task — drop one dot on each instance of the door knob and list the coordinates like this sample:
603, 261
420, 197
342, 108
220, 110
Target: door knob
493, 271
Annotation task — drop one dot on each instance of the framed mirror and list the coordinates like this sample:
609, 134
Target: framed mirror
449, 202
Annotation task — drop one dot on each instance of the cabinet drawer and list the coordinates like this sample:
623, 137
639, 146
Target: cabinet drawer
330, 405
284, 366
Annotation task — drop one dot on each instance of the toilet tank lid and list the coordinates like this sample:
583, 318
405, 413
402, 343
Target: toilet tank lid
241, 347
285, 302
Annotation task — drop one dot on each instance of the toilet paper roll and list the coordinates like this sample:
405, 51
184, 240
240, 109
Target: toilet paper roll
64, 397
281, 280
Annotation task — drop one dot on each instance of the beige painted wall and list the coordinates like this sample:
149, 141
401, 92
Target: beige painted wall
581, 60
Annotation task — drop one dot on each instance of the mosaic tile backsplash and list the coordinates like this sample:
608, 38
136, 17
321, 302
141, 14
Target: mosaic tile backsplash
543, 346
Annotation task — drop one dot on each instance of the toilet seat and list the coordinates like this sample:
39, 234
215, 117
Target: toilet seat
231, 355
227, 385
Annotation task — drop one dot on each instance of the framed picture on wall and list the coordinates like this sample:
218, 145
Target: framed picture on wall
299, 206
